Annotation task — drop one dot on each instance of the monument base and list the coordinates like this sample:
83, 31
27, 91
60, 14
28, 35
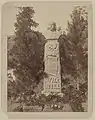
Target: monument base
52, 85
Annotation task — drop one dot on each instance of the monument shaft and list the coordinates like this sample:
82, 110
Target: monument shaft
52, 67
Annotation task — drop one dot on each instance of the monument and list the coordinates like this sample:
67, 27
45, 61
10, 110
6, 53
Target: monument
52, 83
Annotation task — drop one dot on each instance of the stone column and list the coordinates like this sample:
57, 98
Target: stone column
52, 67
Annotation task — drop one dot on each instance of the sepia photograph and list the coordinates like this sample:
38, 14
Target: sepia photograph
47, 56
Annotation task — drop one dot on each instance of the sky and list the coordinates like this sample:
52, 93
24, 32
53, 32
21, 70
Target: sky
45, 13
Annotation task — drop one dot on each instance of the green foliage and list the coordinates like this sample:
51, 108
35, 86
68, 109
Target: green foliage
24, 20
11, 89
78, 35
74, 58
27, 53
73, 45
29, 98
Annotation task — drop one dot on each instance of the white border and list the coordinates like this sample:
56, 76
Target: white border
48, 115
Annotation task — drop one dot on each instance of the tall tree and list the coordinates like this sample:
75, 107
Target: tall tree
28, 51
73, 45
78, 35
